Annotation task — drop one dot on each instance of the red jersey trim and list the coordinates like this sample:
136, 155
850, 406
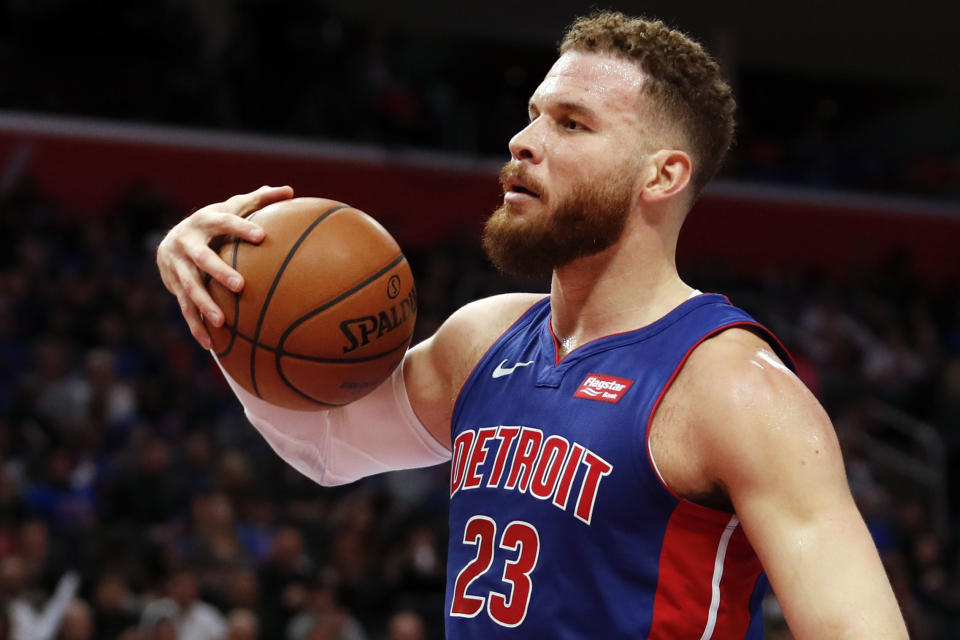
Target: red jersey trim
712, 514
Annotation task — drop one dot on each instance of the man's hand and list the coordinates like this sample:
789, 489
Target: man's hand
185, 254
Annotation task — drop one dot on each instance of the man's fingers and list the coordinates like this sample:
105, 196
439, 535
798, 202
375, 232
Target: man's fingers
247, 203
227, 224
194, 322
185, 253
210, 262
196, 294
207, 260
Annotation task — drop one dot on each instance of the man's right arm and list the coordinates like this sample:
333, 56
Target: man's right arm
377, 433
403, 423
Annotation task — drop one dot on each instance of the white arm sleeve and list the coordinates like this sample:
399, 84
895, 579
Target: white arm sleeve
377, 433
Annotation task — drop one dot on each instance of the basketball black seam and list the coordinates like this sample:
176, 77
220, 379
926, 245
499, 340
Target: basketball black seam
236, 306
273, 286
402, 345
318, 359
236, 298
339, 298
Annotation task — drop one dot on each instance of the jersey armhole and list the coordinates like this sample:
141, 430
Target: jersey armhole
753, 326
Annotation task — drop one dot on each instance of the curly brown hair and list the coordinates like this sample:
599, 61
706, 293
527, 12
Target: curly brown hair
684, 82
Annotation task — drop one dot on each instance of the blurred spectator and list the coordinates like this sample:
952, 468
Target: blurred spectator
257, 526
159, 620
78, 622
52, 389
65, 505
242, 624
197, 465
107, 399
284, 579
406, 625
115, 607
213, 548
33, 616
192, 618
144, 490
323, 616
242, 591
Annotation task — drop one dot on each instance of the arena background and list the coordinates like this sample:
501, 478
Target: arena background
130, 481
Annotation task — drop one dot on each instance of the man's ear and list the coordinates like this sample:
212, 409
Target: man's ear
668, 174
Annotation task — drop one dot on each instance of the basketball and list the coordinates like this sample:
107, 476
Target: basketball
327, 309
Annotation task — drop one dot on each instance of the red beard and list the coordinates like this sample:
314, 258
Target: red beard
590, 220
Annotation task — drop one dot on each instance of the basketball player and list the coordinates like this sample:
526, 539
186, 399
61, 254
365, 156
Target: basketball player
630, 458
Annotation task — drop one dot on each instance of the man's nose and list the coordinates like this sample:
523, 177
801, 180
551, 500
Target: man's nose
527, 144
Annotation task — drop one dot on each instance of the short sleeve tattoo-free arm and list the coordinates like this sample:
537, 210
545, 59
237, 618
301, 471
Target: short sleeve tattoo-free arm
775, 453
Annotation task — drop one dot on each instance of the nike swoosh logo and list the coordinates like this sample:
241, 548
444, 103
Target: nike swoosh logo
501, 370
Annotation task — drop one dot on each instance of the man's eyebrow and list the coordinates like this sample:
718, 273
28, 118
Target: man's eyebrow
576, 107
567, 107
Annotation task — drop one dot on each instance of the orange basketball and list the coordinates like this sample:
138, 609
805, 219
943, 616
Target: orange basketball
327, 309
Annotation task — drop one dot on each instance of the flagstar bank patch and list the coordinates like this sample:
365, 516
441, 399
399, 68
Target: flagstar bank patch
603, 388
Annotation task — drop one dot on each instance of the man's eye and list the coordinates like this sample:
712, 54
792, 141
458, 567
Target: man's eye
572, 125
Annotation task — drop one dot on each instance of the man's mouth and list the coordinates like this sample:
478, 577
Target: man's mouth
518, 185
519, 188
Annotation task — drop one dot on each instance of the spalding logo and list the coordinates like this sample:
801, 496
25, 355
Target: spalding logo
360, 331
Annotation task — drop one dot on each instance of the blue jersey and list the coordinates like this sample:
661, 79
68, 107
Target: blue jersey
560, 526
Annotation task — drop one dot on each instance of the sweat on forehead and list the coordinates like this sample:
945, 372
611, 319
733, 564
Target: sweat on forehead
596, 80
600, 88
598, 71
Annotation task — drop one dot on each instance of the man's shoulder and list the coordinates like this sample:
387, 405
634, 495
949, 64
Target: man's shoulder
743, 392
736, 371
735, 361
473, 328
487, 318
733, 410
436, 369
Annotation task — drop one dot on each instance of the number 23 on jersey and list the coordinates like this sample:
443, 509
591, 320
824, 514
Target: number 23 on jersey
509, 609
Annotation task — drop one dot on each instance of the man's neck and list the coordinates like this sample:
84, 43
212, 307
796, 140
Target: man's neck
625, 287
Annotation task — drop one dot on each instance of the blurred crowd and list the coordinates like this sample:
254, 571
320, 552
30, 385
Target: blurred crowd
136, 503
297, 68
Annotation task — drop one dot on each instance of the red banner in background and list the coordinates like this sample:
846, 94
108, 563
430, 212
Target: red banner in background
426, 198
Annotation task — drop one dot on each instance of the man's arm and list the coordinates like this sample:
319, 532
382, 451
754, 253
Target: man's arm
769, 445
403, 423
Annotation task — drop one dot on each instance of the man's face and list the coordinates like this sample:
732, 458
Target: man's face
573, 177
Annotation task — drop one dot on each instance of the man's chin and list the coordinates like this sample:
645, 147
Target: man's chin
520, 268
509, 250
